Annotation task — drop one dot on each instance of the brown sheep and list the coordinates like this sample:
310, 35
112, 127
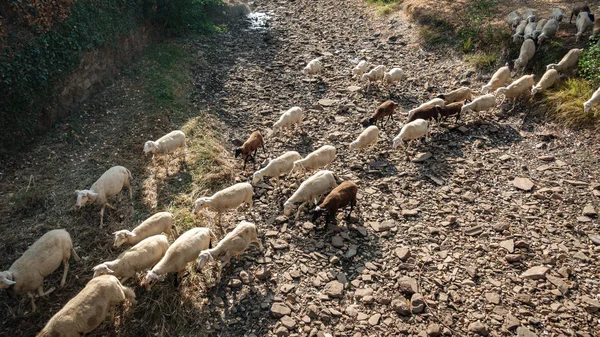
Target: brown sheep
452, 109
386, 108
251, 145
425, 113
340, 197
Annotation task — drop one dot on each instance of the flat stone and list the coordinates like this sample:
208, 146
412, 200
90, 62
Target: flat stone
354, 88
351, 252
463, 129
408, 285
524, 332
410, 212
279, 310
511, 322
417, 303
512, 258
360, 293
493, 298
334, 289
433, 330
475, 230
288, 322
383, 226
590, 304
374, 320
403, 253
535, 273
435, 179
509, 245
505, 157
478, 328
421, 156
523, 183
562, 286
337, 241
327, 102
589, 210
401, 306
584, 218
595, 239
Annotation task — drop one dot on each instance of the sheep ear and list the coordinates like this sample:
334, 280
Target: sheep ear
110, 271
129, 234
77, 191
8, 282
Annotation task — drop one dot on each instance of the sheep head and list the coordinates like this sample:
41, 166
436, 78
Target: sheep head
83, 196
121, 237
287, 208
587, 106
150, 279
150, 147
485, 89
203, 258
238, 152
101, 269
534, 90
256, 178
353, 145
6, 279
397, 141
200, 204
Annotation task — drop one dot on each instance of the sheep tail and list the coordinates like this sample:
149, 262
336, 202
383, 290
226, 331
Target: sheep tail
129, 294
129, 175
75, 256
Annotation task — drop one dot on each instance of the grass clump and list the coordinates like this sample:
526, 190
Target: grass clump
434, 31
589, 64
565, 104
385, 7
482, 59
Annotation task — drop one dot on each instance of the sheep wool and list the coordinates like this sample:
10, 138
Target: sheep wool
525, 55
583, 23
393, 76
228, 198
368, 137
569, 61
317, 159
277, 167
314, 67
361, 68
161, 222
481, 103
500, 77
410, 131
166, 144
307, 192
549, 79
589, 104
289, 118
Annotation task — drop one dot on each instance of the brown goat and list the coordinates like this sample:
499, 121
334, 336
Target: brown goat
386, 108
452, 109
341, 196
578, 9
426, 113
251, 145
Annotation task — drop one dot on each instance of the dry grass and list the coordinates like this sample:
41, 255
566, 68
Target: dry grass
565, 104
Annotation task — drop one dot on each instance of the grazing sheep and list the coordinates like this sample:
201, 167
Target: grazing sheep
578, 9
368, 137
161, 222
166, 144
393, 76
316, 185
339, 197
43, 257
589, 104
568, 61
277, 167
232, 245
529, 29
413, 130
88, 309
500, 77
528, 15
513, 19
313, 67
288, 119
386, 109
538, 28
583, 23
138, 258
525, 55
558, 14
481, 103
228, 198
435, 101
109, 184
549, 30
550, 77
375, 74
317, 159
519, 31
426, 113
251, 145
516, 89
452, 109
460, 94
361, 68
183, 251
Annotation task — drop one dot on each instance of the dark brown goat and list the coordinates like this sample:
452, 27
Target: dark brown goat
340, 197
452, 109
386, 108
578, 9
251, 145
427, 112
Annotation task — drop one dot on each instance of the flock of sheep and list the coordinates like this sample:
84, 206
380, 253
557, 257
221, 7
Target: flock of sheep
151, 252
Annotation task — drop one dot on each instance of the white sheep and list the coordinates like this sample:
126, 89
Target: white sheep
317, 159
525, 55
549, 79
513, 18
277, 167
88, 309
375, 74
368, 137
288, 119
361, 68
410, 131
228, 198
529, 29
558, 14
138, 258
500, 77
166, 144
583, 23
183, 251
161, 222
43, 257
460, 94
528, 15
315, 186
519, 31
568, 61
517, 88
434, 102
549, 30
393, 76
589, 104
538, 27
232, 245
313, 67
109, 184
481, 103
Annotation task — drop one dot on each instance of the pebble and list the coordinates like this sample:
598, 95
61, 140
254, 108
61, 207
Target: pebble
509, 245
334, 289
417, 303
279, 310
478, 328
403, 253
523, 183
535, 273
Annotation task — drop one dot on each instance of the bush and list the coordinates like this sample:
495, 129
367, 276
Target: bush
565, 103
589, 64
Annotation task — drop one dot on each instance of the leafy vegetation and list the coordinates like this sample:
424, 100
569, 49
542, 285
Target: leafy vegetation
565, 103
589, 64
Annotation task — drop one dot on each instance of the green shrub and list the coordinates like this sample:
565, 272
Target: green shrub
589, 64
475, 26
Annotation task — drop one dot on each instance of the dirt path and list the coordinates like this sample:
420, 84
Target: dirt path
444, 246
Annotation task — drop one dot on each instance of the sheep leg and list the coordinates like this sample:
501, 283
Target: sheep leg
263, 148
300, 210
102, 215
65, 271
42, 293
245, 161
120, 195
124, 279
110, 206
31, 297
352, 203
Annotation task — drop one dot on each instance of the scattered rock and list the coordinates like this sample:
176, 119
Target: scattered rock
493, 298
524, 332
433, 330
417, 303
401, 306
327, 102
478, 328
403, 253
509, 245
288, 322
374, 320
589, 210
523, 183
476, 230
279, 310
422, 156
334, 289
535, 273
337, 241
511, 322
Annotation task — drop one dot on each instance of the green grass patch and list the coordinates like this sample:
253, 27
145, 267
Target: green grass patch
589, 63
385, 7
565, 103
481, 59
